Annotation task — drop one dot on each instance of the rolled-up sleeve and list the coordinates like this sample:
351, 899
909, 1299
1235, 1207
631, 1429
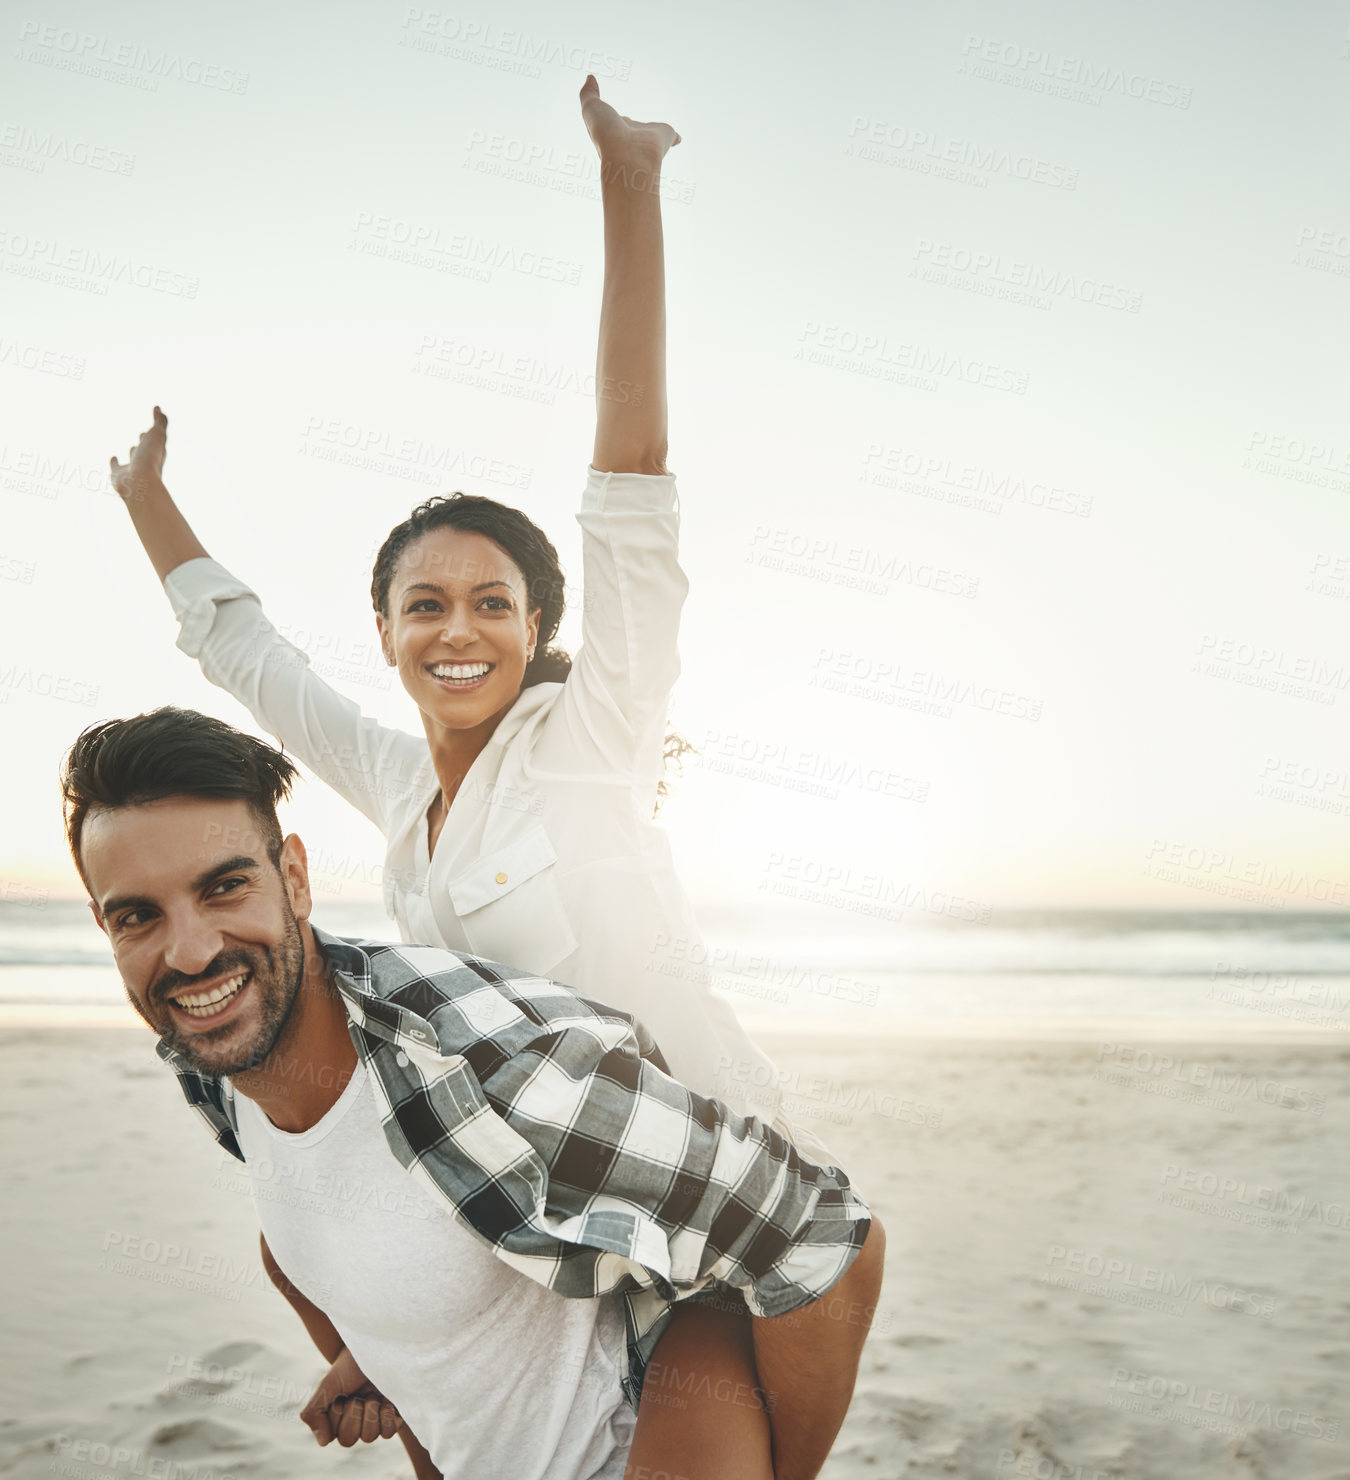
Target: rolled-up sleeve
613, 707
222, 625
688, 1195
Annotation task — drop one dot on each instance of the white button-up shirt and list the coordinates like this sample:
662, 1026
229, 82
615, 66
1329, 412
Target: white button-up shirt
548, 859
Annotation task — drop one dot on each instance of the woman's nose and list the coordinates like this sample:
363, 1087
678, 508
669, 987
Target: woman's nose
459, 627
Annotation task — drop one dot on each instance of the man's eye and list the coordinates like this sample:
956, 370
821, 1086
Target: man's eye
230, 885
129, 921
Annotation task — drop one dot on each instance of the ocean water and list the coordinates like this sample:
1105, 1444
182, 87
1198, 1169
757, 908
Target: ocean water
1055, 973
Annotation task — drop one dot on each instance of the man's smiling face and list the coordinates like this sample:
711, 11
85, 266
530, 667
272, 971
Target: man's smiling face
204, 928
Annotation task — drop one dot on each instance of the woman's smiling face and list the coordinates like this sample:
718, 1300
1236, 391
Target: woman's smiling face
458, 626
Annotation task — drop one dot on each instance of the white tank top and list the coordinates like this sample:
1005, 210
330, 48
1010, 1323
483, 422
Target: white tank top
496, 1375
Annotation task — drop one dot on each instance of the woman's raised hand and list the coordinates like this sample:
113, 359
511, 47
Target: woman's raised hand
144, 468
619, 139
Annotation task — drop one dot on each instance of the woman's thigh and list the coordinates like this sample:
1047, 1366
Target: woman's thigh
700, 1417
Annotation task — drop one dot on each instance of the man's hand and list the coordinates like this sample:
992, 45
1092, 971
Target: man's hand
619, 138
145, 465
347, 1407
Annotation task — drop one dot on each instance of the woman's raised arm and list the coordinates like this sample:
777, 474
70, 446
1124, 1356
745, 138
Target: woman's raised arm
166, 535
630, 362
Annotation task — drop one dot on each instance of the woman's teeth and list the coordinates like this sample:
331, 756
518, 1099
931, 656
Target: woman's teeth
205, 1004
461, 672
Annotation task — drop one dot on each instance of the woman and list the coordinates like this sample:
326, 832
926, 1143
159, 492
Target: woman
520, 827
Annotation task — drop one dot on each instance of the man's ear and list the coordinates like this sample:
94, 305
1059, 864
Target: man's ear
294, 866
98, 919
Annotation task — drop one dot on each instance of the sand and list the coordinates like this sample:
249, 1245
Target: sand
1103, 1261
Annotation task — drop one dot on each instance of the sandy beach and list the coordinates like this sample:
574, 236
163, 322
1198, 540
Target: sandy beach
1104, 1260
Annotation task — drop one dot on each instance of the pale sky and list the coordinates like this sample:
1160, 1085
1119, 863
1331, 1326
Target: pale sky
1153, 452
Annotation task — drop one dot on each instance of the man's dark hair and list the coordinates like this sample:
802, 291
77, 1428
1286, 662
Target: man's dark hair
172, 753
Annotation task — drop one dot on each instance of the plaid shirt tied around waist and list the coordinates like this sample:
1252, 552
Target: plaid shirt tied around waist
548, 1123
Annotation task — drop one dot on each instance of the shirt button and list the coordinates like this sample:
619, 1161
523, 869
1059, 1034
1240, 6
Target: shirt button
501, 878
402, 1059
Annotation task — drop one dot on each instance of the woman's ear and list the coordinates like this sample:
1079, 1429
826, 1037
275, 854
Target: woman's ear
386, 639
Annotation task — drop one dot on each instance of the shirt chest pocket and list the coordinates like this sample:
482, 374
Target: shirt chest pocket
510, 907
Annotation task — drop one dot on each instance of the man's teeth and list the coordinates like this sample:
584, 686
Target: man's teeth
203, 1004
461, 672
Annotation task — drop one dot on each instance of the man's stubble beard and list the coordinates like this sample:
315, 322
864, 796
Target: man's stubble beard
285, 973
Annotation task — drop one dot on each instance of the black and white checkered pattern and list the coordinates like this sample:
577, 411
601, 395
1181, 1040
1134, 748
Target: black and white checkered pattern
549, 1124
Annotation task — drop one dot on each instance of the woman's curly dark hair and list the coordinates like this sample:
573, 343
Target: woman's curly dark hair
533, 553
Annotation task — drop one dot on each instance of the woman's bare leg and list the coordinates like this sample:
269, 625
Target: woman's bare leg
630, 361
701, 1417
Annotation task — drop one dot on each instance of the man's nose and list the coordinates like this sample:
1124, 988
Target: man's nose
194, 941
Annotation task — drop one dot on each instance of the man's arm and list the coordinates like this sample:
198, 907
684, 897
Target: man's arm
357, 1418
630, 363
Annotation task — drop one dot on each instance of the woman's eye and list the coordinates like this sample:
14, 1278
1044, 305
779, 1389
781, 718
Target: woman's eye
427, 604
503, 603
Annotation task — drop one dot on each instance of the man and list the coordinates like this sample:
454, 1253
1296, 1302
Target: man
511, 1142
